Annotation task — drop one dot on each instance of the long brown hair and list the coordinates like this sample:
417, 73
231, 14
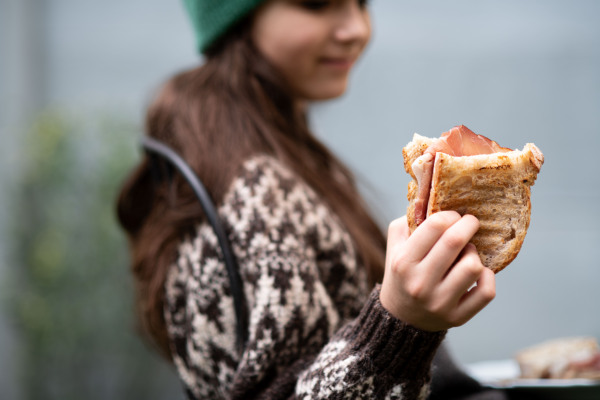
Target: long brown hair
216, 116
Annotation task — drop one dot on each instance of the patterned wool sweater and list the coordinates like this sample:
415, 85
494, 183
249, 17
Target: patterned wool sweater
315, 328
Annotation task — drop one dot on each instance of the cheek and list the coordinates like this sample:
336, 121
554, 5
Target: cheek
294, 47
291, 53
290, 41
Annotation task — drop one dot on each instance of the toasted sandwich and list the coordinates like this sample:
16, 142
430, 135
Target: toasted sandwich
561, 358
471, 174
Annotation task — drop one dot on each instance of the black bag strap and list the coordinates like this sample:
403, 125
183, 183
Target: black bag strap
154, 149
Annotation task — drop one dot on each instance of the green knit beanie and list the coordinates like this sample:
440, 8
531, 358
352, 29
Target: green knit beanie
212, 18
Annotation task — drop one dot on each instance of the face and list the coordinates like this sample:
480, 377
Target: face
313, 43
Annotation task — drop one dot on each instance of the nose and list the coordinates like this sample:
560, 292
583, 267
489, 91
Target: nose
354, 23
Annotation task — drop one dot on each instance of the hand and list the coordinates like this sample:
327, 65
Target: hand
434, 278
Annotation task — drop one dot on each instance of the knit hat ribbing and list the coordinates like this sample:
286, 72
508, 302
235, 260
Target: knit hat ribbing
212, 18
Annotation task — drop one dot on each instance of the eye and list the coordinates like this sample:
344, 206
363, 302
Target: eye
315, 5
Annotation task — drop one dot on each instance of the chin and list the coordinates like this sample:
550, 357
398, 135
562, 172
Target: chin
323, 93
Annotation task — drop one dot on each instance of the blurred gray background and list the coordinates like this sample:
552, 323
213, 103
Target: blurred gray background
516, 71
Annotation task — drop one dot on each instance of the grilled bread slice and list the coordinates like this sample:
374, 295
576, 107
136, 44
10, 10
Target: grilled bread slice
495, 188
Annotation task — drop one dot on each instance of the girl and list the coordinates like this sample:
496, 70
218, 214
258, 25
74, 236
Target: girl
334, 311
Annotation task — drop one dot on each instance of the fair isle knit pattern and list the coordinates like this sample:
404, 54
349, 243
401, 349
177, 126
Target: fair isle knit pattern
316, 332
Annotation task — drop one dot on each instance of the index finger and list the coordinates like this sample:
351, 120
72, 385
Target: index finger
430, 231
398, 231
450, 245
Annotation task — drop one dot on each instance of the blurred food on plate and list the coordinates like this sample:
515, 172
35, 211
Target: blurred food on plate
562, 358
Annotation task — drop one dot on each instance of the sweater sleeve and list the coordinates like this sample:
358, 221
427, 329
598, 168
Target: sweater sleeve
307, 340
375, 356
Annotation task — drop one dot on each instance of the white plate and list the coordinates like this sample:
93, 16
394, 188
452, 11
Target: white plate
504, 374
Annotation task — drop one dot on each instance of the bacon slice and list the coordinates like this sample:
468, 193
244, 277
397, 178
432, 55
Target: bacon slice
459, 141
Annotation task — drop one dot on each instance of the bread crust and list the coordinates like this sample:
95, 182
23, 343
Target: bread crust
495, 188
414, 150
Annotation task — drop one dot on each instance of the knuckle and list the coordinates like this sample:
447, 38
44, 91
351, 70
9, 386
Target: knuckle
453, 241
443, 219
402, 254
397, 268
398, 262
401, 258
394, 225
417, 290
473, 267
449, 217
488, 293
436, 223
487, 287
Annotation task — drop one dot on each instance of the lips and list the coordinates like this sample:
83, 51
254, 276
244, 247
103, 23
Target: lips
338, 62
